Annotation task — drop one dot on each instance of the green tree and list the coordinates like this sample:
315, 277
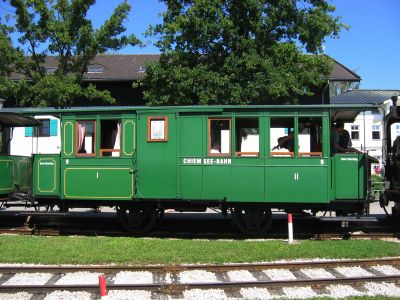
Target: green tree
239, 51
58, 28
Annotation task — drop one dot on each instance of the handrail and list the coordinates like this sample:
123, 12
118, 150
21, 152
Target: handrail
282, 154
102, 151
252, 154
319, 154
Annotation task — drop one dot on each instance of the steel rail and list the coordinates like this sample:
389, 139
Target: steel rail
171, 287
208, 267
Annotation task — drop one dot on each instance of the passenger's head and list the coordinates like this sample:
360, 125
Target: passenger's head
339, 125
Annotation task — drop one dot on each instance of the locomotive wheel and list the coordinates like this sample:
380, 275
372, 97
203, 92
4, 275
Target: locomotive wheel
252, 221
137, 220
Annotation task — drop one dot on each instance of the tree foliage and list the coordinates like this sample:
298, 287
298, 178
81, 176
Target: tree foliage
58, 28
239, 51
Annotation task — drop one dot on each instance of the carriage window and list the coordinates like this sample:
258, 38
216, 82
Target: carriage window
2, 140
219, 137
157, 129
110, 138
282, 136
247, 137
310, 136
85, 138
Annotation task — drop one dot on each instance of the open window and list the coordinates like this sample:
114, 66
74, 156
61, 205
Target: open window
219, 137
247, 137
86, 138
157, 129
310, 136
2, 140
282, 136
110, 137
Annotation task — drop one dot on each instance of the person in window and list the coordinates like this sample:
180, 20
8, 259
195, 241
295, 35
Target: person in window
287, 141
215, 147
341, 140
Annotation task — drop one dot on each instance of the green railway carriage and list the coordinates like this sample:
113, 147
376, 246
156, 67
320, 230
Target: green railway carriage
243, 159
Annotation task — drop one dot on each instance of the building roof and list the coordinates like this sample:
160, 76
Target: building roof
341, 73
364, 97
130, 67
115, 67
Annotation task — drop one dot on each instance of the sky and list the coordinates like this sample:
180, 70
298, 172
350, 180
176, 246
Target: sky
371, 46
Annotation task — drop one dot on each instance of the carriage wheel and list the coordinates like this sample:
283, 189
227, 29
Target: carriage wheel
252, 220
137, 220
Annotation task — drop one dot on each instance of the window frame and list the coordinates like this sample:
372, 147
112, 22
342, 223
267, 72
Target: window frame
105, 150
376, 131
247, 154
303, 154
157, 118
355, 130
278, 154
77, 154
36, 129
229, 119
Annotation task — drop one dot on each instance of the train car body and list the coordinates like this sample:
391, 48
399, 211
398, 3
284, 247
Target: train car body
243, 159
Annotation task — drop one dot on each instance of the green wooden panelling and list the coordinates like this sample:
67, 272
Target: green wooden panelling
156, 161
349, 176
128, 141
298, 184
98, 183
15, 173
46, 170
6, 174
68, 138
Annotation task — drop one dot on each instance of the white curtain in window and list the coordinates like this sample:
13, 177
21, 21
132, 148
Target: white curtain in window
81, 136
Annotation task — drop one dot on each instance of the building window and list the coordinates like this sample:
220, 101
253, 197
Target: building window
355, 132
48, 127
43, 129
376, 132
157, 129
2, 140
51, 70
86, 138
397, 130
247, 137
219, 137
95, 69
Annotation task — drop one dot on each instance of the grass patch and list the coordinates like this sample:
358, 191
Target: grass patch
122, 250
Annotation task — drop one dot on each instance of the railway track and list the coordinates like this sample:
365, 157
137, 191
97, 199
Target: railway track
104, 225
316, 278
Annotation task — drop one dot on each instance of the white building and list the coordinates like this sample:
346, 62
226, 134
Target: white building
36, 140
367, 130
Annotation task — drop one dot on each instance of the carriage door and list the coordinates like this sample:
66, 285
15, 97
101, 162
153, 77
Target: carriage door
298, 166
100, 163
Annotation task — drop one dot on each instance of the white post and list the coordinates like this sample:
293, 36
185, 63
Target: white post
290, 228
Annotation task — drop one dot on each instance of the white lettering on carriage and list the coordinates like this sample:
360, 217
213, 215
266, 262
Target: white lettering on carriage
46, 163
349, 158
206, 161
